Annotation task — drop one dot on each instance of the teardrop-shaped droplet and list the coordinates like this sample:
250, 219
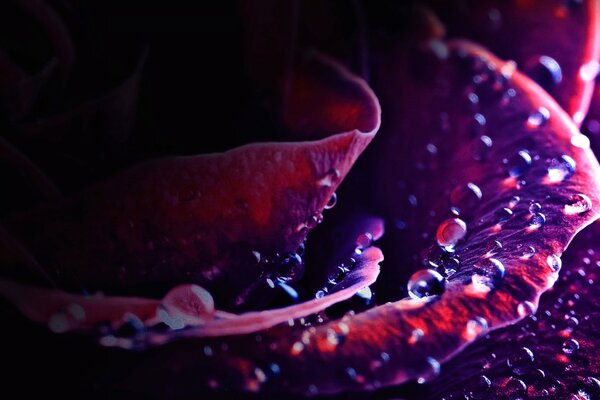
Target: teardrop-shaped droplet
425, 283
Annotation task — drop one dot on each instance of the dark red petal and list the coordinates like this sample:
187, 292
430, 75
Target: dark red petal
569, 32
407, 339
204, 219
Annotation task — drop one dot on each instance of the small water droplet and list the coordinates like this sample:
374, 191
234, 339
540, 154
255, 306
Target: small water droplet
478, 124
430, 371
475, 328
589, 71
503, 215
554, 262
512, 203
545, 71
332, 202
521, 361
578, 204
364, 240
492, 248
491, 268
450, 232
536, 221
570, 346
450, 266
482, 147
425, 283
320, 293
464, 198
538, 118
525, 309
535, 208
518, 164
561, 168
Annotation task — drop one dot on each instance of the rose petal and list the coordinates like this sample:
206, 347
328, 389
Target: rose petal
408, 339
201, 219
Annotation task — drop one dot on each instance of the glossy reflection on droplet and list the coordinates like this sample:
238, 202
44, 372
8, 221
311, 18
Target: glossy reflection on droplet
538, 118
450, 232
425, 283
578, 204
518, 164
561, 168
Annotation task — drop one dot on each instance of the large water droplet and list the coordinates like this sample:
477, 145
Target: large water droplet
538, 118
578, 204
425, 283
521, 361
464, 198
545, 71
450, 232
561, 168
518, 164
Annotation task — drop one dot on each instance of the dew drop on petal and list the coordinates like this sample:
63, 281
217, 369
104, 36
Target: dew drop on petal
589, 71
518, 164
464, 198
554, 262
521, 361
570, 346
581, 141
425, 283
536, 221
561, 168
332, 201
491, 268
430, 371
450, 232
482, 147
525, 309
545, 71
475, 328
538, 118
578, 204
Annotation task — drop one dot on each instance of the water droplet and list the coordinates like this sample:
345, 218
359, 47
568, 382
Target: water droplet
554, 262
570, 346
430, 371
450, 232
332, 202
525, 309
508, 96
538, 118
330, 178
291, 268
512, 203
478, 124
589, 71
536, 221
503, 214
561, 168
475, 328
365, 293
518, 164
425, 283
515, 386
320, 293
578, 204
492, 248
450, 266
464, 198
521, 361
482, 147
545, 71
491, 268
415, 336
535, 208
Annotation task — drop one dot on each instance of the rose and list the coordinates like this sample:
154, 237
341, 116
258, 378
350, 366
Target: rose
551, 130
